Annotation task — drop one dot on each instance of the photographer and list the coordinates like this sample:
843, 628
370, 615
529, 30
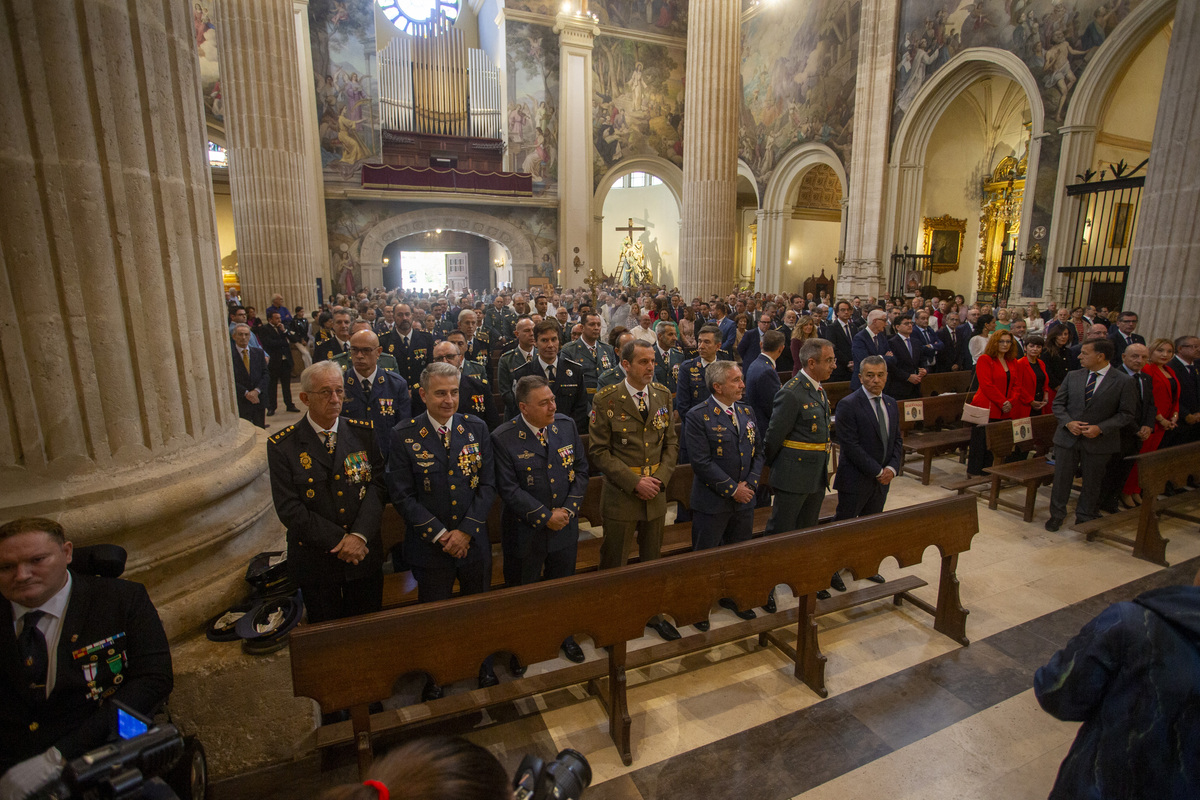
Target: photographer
69, 645
437, 768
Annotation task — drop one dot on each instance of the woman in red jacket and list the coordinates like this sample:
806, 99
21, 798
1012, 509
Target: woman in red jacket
1001, 389
1165, 386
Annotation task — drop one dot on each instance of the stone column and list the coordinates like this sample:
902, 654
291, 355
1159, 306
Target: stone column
1164, 276
270, 170
118, 409
863, 272
708, 244
577, 32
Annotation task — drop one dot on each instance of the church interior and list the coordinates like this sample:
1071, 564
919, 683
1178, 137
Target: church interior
162, 156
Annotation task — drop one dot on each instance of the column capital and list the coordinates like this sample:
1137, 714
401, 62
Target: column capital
576, 29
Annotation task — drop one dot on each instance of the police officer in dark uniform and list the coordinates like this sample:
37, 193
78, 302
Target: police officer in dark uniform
411, 349
597, 357
440, 479
473, 395
373, 393
668, 359
337, 343
478, 341
499, 319
691, 387
326, 481
565, 376
727, 459
542, 474
471, 368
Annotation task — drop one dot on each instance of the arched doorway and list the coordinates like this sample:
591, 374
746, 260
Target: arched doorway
645, 194
747, 212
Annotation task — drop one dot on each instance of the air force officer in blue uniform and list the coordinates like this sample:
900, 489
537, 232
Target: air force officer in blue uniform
374, 394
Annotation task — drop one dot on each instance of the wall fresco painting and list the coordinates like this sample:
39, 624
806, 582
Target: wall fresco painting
210, 71
344, 71
667, 17
532, 103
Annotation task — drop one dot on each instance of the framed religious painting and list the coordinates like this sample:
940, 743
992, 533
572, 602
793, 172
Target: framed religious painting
944, 241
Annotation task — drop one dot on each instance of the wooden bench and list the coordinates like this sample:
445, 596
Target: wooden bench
612, 608
946, 382
1173, 465
940, 430
1000, 443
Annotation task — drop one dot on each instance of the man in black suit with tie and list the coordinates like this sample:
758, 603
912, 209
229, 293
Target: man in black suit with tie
1187, 351
751, 344
1132, 435
277, 342
841, 333
565, 376
1124, 333
870, 341
71, 645
904, 367
250, 377
1093, 404
927, 337
949, 358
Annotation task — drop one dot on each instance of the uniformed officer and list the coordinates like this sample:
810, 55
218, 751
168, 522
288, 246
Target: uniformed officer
667, 357
798, 441
473, 396
373, 393
439, 477
634, 442
617, 373
343, 359
411, 348
499, 319
727, 459
337, 343
596, 356
565, 376
522, 354
691, 387
478, 342
542, 474
472, 368
326, 481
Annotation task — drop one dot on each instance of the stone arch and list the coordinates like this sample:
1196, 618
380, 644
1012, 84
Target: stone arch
509, 236
670, 174
907, 166
744, 171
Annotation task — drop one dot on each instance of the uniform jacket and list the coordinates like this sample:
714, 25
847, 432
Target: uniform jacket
534, 480
570, 395
1113, 406
604, 359
762, 384
390, 402
507, 364
321, 496
691, 388
478, 347
614, 375
134, 668
411, 359
864, 454
666, 367
257, 378
798, 438
624, 448
499, 323
434, 487
330, 347
722, 455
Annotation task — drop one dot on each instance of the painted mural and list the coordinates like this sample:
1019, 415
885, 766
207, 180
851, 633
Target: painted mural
532, 103
799, 64
344, 71
210, 72
637, 103
668, 17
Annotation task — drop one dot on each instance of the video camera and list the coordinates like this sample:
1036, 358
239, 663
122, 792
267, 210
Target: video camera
564, 778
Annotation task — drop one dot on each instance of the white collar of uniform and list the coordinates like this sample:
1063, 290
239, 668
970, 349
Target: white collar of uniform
724, 408
811, 379
768, 358
370, 378
319, 429
527, 353
56, 606
546, 365
634, 392
704, 363
532, 428
435, 423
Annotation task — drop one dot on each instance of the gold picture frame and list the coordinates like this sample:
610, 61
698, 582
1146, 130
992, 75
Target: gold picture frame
944, 241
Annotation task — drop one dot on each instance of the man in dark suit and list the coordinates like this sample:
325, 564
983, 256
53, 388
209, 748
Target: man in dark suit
1051, 312
727, 326
441, 480
762, 380
870, 341
250, 377
904, 367
949, 358
565, 376
1124, 333
966, 330
542, 474
931, 344
1132, 435
1187, 351
379, 396
1093, 404
727, 458
107, 644
412, 349
751, 344
1095, 333
667, 357
326, 481
277, 343
841, 333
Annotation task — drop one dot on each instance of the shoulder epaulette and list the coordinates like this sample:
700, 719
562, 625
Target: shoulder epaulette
792, 382
573, 362
283, 434
362, 423
612, 387
407, 423
658, 385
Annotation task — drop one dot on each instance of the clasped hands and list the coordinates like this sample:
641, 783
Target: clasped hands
1084, 429
648, 487
351, 549
916, 377
743, 493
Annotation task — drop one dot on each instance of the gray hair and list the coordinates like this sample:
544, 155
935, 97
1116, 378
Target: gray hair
240, 325
658, 326
438, 369
527, 386
812, 349
876, 314
872, 361
310, 376
718, 372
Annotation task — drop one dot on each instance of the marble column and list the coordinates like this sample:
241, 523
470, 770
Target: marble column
863, 272
1164, 276
118, 405
708, 244
270, 168
577, 32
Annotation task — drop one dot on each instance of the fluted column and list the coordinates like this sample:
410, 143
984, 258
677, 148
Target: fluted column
577, 32
116, 386
708, 244
1164, 276
270, 175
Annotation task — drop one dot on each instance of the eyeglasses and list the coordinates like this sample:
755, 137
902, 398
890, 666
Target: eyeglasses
362, 351
445, 358
325, 394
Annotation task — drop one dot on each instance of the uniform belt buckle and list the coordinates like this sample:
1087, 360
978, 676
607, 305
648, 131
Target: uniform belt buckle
646, 471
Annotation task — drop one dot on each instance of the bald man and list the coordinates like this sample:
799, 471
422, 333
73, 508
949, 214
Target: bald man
372, 393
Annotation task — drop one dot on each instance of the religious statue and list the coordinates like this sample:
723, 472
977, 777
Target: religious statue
631, 266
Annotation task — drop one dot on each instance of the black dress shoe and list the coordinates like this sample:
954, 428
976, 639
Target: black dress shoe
837, 583
573, 651
487, 678
771, 607
664, 629
293, 409
431, 692
703, 626
270, 413
824, 594
1053, 524
516, 667
726, 603
1110, 508
877, 578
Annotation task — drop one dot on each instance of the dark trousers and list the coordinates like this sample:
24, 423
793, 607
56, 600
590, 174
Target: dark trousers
618, 541
474, 574
794, 511
255, 413
326, 599
1066, 461
1116, 472
538, 565
852, 505
725, 527
979, 457
281, 373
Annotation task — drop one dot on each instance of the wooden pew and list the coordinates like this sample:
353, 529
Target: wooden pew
612, 608
940, 431
946, 382
1155, 469
1027, 473
835, 391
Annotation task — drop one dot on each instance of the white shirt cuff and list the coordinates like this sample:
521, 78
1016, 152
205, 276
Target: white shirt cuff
440, 535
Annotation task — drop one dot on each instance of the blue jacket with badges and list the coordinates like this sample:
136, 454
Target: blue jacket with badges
390, 402
436, 487
762, 384
722, 456
691, 389
534, 480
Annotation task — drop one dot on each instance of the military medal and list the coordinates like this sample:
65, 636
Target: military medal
428, 489
310, 494
814, 429
306, 460
362, 492
719, 451
474, 481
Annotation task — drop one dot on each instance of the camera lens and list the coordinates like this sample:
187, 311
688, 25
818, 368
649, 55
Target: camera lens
571, 774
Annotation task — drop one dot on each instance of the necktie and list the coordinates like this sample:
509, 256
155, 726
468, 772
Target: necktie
329, 442
912, 353
1090, 389
444, 432
246, 359
882, 419
345, 347
541, 436
405, 342
31, 648
550, 373
367, 390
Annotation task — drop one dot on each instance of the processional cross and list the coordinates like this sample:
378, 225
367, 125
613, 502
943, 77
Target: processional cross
630, 229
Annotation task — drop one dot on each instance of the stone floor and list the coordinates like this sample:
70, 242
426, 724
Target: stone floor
909, 714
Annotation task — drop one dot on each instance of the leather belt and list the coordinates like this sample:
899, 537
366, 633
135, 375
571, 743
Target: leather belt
792, 443
644, 471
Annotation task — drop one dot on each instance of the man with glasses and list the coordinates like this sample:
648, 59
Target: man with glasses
372, 392
904, 366
751, 344
474, 396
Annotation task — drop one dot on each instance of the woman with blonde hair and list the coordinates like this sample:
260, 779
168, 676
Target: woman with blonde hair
807, 327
